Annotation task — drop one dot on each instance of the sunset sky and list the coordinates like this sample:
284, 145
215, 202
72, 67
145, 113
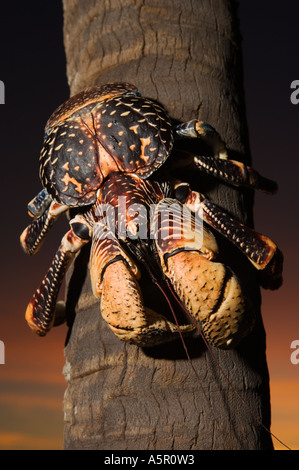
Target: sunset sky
32, 66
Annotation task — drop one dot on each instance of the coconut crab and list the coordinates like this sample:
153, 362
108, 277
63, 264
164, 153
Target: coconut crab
102, 151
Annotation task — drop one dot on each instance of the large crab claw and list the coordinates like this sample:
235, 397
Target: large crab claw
210, 291
114, 280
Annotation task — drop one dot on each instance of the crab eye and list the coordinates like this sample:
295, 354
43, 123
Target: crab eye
81, 230
134, 93
181, 192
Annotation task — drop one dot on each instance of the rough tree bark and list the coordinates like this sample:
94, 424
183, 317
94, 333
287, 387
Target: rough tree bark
187, 55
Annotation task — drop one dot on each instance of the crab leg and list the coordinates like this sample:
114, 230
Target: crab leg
230, 171
114, 281
235, 173
261, 251
207, 133
33, 236
209, 290
38, 205
40, 312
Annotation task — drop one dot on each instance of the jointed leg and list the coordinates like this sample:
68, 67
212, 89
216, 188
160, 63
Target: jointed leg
220, 166
41, 309
260, 250
34, 235
207, 133
235, 173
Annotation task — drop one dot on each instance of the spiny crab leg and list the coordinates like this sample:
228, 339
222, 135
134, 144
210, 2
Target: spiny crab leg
40, 312
33, 236
220, 166
235, 173
260, 250
44, 212
209, 290
114, 280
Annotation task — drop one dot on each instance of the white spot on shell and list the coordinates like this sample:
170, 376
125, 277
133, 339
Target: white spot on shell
58, 147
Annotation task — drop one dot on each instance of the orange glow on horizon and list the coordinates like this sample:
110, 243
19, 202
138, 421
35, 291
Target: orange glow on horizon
285, 413
22, 441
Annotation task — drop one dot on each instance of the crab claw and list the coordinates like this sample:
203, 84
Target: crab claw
213, 295
114, 280
123, 309
210, 292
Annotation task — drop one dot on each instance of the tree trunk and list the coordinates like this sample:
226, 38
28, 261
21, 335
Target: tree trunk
187, 55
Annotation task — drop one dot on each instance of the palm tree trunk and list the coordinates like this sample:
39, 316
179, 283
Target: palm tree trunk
187, 55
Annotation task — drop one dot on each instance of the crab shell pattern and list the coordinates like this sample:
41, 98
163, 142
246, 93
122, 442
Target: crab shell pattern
98, 132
